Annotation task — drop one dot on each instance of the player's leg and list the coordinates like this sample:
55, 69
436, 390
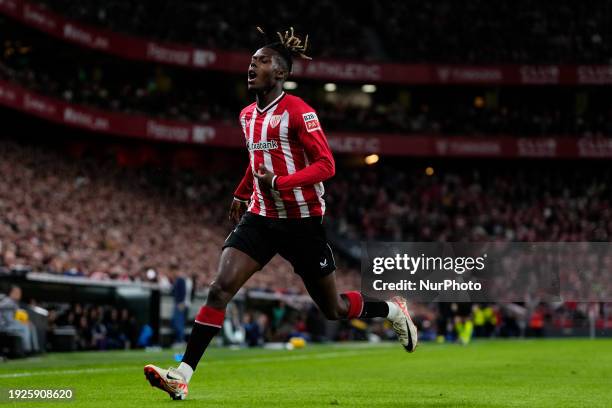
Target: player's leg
235, 268
347, 305
351, 305
246, 250
307, 249
336, 306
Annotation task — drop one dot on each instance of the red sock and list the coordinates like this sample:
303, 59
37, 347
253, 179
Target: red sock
355, 304
207, 324
210, 316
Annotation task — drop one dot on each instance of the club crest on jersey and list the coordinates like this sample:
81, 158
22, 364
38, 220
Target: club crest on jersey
311, 121
275, 120
269, 145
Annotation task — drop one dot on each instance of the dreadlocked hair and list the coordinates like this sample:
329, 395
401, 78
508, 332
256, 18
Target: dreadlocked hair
288, 46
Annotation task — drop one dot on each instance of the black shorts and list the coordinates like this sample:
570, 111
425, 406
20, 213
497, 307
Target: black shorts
301, 241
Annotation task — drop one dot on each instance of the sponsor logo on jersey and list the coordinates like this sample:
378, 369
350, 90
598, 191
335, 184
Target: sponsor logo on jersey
269, 145
275, 120
311, 121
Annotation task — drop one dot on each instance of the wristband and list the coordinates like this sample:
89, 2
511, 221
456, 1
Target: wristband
274, 182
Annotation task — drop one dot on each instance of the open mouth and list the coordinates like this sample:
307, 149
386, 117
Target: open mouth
252, 75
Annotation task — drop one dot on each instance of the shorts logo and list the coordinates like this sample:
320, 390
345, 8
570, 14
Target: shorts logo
275, 120
272, 144
323, 264
311, 121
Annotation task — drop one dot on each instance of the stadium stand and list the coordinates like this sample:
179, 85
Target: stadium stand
93, 218
48, 66
503, 32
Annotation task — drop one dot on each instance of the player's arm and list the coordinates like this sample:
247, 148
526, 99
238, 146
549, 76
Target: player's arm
245, 188
322, 165
242, 195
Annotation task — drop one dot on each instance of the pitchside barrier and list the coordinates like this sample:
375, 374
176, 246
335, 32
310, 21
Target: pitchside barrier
149, 303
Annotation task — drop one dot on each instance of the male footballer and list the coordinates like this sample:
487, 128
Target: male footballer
278, 207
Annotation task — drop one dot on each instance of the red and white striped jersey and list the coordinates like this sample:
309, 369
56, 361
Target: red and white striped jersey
287, 138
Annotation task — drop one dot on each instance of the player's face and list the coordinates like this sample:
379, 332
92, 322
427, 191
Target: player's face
263, 71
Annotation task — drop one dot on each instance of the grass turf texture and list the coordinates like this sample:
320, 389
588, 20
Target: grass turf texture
513, 373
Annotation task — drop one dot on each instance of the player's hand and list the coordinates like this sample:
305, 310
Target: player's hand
237, 210
264, 176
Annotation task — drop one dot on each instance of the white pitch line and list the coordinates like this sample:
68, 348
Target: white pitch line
60, 372
310, 356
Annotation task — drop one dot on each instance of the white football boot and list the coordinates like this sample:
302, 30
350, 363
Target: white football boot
170, 381
402, 325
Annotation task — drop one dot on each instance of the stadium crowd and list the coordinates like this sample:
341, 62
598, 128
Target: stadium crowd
92, 218
414, 31
48, 66
95, 327
525, 202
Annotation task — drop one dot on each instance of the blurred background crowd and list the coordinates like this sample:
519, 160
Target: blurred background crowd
48, 66
93, 217
537, 32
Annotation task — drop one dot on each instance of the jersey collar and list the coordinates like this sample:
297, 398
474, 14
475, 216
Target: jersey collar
271, 104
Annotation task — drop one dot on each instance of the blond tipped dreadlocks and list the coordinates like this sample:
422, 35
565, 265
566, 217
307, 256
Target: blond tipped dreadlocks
288, 46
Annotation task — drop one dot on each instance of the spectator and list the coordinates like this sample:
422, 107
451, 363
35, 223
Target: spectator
233, 330
116, 338
129, 328
9, 309
253, 331
180, 294
84, 334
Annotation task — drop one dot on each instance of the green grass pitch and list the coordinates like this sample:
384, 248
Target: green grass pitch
513, 373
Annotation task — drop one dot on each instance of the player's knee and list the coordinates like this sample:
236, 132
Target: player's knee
218, 296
